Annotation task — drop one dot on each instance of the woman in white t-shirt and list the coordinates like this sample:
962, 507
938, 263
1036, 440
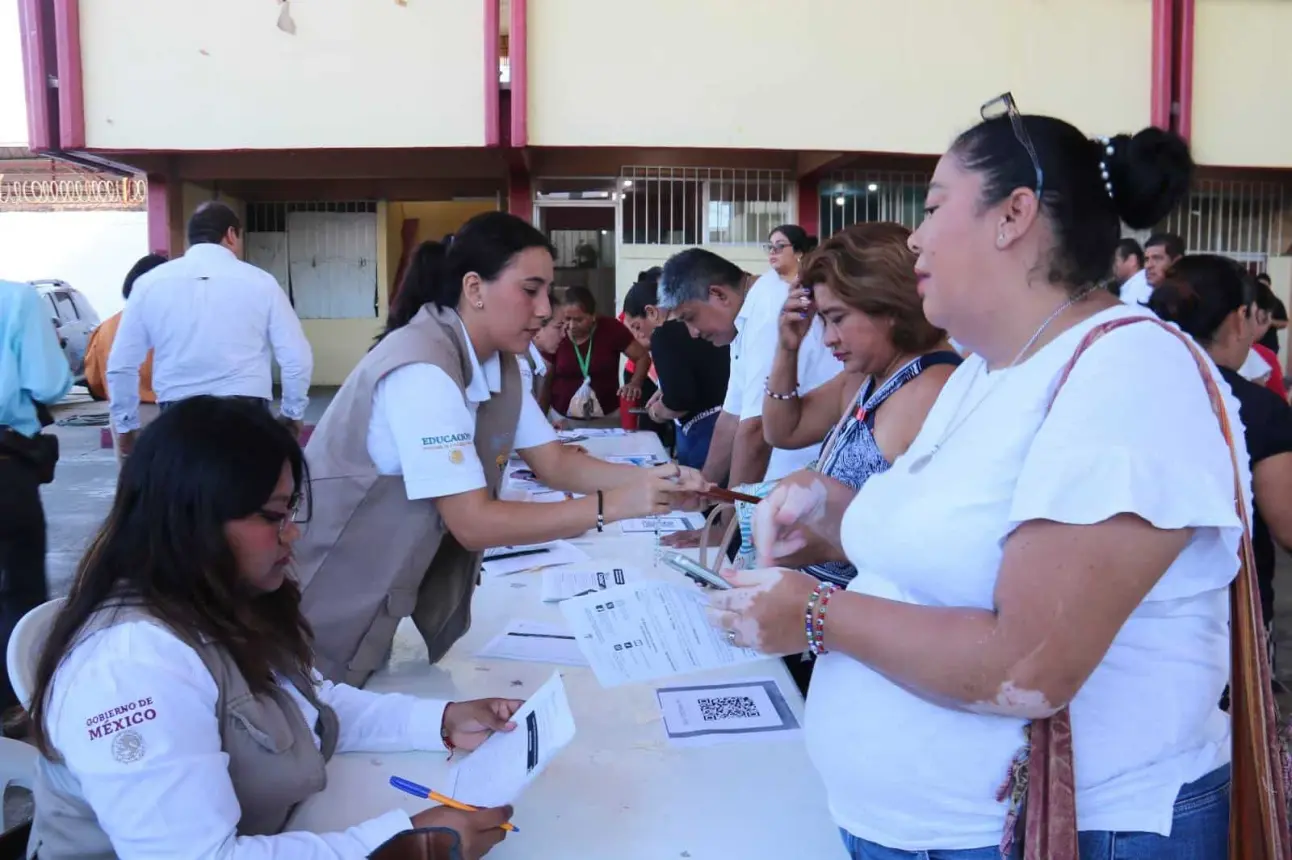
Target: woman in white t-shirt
1017, 558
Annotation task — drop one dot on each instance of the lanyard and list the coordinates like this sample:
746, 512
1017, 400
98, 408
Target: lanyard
584, 360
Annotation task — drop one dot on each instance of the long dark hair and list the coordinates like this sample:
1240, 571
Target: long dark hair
203, 463
1199, 293
485, 245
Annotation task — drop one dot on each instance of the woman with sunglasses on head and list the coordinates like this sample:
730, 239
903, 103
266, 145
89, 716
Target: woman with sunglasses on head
408, 460
1215, 301
176, 704
1024, 557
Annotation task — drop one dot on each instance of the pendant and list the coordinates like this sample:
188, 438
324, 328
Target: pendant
922, 461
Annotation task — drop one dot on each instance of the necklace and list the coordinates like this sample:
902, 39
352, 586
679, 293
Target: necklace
956, 421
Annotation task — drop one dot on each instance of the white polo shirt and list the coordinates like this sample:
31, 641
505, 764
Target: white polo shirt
751, 363
1136, 290
423, 428
173, 796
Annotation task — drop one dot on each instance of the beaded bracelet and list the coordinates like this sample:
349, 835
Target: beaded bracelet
814, 616
773, 395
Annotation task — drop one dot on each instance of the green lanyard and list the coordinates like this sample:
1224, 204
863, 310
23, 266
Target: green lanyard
584, 360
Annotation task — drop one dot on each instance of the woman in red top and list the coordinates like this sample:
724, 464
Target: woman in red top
591, 351
1265, 306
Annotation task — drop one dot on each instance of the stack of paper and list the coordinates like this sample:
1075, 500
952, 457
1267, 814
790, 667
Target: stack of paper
647, 630
505, 764
504, 560
535, 642
674, 522
562, 583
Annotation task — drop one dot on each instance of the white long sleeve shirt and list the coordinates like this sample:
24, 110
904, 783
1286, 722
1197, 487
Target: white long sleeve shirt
176, 799
211, 321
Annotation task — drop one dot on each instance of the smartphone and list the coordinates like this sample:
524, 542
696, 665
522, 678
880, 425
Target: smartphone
702, 575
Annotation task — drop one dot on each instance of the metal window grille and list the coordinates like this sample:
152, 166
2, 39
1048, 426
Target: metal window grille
853, 197
703, 205
324, 261
1235, 218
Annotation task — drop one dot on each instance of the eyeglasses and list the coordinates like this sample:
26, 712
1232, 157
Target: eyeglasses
769, 248
296, 513
1004, 105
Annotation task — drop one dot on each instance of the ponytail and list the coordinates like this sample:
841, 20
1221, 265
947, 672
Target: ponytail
485, 246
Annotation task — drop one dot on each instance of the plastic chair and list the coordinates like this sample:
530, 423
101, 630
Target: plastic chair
24, 649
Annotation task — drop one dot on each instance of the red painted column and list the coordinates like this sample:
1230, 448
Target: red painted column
520, 194
1162, 93
1184, 68
518, 51
159, 215
492, 86
809, 202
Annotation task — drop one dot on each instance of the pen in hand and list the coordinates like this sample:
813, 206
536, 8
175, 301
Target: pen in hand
410, 787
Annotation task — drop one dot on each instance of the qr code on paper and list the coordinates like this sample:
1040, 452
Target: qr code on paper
728, 708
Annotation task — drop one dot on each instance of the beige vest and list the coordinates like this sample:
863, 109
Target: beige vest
273, 763
368, 556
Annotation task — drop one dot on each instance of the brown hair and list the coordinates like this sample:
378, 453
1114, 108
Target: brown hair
871, 268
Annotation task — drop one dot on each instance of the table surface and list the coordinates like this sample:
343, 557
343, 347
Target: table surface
619, 791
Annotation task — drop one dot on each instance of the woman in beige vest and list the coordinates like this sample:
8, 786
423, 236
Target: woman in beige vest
406, 463
176, 703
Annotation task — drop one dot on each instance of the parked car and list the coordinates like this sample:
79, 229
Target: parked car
73, 317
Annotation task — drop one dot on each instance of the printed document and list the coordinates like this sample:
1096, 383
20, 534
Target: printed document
674, 522
505, 764
562, 583
647, 630
535, 642
504, 560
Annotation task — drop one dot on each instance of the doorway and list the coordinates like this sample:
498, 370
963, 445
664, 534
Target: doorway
578, 217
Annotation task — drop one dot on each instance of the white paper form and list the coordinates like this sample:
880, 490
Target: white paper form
562, 583
735, 711
634, 459
647, 630
535, 642
501, 768
667, 524
504, 560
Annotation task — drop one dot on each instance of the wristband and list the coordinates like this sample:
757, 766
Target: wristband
814, 617
793, 395
601, 511
444, 731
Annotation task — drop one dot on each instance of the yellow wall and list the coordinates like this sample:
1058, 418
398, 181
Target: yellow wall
193, 195
435, 220
1241, 78
222, 75
870, 75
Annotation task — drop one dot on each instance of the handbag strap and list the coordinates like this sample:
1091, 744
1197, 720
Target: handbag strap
1258, 799
727, 535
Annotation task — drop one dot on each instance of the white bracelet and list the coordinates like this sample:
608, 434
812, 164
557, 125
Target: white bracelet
773, 395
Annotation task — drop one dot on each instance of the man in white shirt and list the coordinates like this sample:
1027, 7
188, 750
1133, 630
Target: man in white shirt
1128, 269
724, 305
1160, 253
213, 322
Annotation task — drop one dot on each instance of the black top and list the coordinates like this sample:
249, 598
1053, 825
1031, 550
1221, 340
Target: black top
692, 372
1271, 338
1267, 427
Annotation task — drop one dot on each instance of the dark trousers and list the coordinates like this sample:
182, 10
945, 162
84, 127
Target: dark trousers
22, 555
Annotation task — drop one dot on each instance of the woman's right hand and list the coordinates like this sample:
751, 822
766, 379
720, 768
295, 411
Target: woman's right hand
783, 521
652, 493
796, 317
477, 831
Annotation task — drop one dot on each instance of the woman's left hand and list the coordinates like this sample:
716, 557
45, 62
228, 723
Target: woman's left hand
764, 608
631, 393
469, 724
692, 487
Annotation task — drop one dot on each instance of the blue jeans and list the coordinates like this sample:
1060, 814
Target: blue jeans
1199, 831
693, 445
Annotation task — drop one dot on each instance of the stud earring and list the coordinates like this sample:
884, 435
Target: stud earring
479, 304
1000, 239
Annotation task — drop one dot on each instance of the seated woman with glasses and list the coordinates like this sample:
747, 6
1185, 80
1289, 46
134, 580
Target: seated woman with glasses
176, 706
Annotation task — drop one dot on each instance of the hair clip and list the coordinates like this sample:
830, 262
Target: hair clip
1103, 163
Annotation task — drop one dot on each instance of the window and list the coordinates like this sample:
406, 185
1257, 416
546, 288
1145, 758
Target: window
703, 206
854, 197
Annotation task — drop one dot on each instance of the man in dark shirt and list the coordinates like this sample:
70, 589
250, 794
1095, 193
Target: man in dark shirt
692, 372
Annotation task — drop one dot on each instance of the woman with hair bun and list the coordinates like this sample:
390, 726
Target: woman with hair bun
1214, 300
1024, 556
